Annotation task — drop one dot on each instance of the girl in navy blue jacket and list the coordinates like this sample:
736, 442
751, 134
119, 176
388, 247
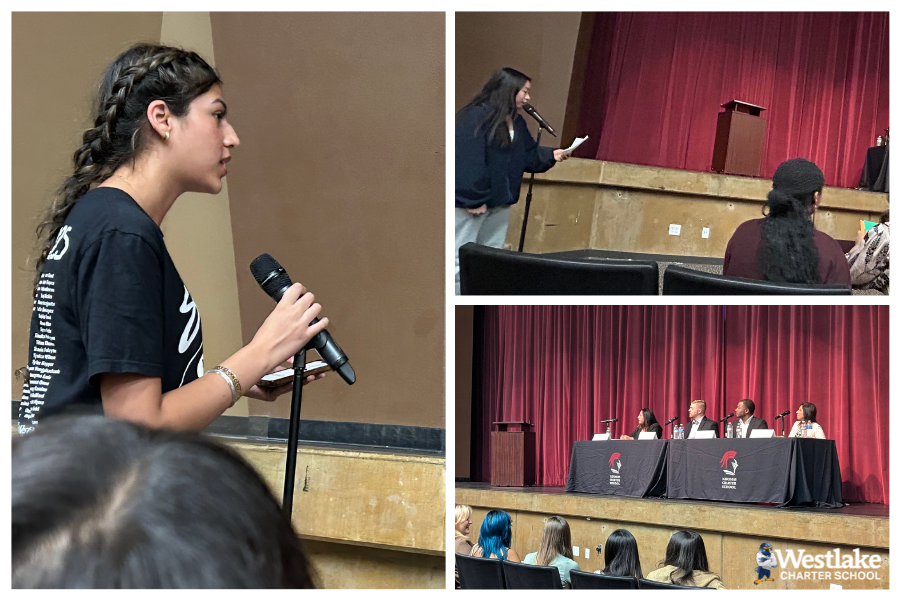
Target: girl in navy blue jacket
493, 150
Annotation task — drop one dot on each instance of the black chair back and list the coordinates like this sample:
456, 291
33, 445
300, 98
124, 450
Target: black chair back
520, 576
476, 573
493, 271
597, 581
680, 281
646, 584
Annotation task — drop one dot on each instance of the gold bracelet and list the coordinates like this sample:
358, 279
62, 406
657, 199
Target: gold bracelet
236, 391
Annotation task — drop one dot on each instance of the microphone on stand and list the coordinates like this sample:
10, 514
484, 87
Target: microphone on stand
672, 420
274, 280
531, 111
784, 414
610, 421
726, 417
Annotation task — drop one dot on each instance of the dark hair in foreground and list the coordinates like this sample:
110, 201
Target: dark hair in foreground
137, 77
622, 559
99, 503
687, 552
499, 96
787, 252
809, 411
496, 534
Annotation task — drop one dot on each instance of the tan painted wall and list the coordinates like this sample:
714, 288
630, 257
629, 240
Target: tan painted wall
341, 566
541, 45
57, 60
340, 177
465, 321
616, 206
731, 555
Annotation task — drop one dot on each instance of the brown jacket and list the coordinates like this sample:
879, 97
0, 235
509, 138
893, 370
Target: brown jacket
701, 578
463, 546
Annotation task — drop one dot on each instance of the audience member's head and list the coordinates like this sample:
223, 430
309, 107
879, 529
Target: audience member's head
807, 412
496, 534
99, 503
745, 408
787, 252
646, 418
697, 409
687, 553
463, 520
622, 559
557, 539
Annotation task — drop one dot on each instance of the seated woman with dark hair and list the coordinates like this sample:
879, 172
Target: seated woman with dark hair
555, 550
785, 246
686, 563
622, 558
495, 537
806, 414
646, 421
101, 503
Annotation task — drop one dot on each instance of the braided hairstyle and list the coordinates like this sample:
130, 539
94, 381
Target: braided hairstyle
787, 252
140, 75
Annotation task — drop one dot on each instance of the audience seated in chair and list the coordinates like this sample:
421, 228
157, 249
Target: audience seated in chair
621, 555
869, 259
100, 503
461, 533
686, 563
555, 549
495, 537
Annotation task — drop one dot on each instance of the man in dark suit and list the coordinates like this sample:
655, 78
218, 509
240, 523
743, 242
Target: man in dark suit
744, 413
698, 420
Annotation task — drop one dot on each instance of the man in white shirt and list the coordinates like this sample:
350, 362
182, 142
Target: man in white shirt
744, 413
698, 420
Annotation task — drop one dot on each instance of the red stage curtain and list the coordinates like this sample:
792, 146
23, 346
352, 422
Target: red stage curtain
566, 368
655, 83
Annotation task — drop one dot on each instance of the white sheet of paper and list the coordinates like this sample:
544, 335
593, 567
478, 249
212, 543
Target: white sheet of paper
575, 144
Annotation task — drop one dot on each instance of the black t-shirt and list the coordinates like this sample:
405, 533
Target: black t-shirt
109, 300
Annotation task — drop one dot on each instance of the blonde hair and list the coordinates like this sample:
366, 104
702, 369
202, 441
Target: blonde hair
702, 404
463, 512
557, 539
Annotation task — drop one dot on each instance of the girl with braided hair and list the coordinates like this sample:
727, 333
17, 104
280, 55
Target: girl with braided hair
785, 246
114, 328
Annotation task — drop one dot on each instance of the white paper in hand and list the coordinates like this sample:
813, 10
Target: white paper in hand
575, 144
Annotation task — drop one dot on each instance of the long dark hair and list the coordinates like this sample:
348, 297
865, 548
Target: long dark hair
137, 77
556, 540
100, 503
499, 96
622, 558
809, 411
687, 552
787, 250
496, 534
649, 417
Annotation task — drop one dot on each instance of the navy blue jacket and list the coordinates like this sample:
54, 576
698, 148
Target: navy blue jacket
487, 173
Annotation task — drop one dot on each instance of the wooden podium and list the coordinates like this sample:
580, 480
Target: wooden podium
512, 454
740, 134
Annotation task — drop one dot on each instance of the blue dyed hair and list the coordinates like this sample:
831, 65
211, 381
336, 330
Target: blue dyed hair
496, 534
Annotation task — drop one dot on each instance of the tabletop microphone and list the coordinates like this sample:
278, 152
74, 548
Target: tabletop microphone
610, 421
672, 420
275, 281
784, 414
531, 111
726, 417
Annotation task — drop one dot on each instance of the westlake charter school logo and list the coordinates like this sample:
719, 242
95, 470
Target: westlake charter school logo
729, 483
615, 465
834, 565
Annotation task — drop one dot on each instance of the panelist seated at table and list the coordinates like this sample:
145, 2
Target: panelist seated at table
698, 420
744, 413
807, 413
646, 422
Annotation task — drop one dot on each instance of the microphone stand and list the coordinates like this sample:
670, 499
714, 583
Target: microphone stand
290, 467
528, 195
782, 423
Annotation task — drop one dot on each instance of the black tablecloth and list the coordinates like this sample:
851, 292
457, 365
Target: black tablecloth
875, 173
784, 471
634, 468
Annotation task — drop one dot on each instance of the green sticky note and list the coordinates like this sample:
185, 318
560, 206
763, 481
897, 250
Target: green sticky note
869, 224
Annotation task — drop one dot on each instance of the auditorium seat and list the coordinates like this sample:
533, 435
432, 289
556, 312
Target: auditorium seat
646, 584
476, 573
494, 271
520, 576
679, 281
582, 580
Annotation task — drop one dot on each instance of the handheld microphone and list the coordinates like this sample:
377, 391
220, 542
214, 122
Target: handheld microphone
531, 111
610, 421
274, 281
672, 420
726, 417
784, 414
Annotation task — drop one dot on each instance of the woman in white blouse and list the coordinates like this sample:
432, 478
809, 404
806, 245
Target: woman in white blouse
807, 412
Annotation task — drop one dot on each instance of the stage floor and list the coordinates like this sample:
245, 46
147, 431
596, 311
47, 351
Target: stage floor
856, 510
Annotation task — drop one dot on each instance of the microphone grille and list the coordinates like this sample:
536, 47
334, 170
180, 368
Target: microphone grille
528, 108
270, 275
